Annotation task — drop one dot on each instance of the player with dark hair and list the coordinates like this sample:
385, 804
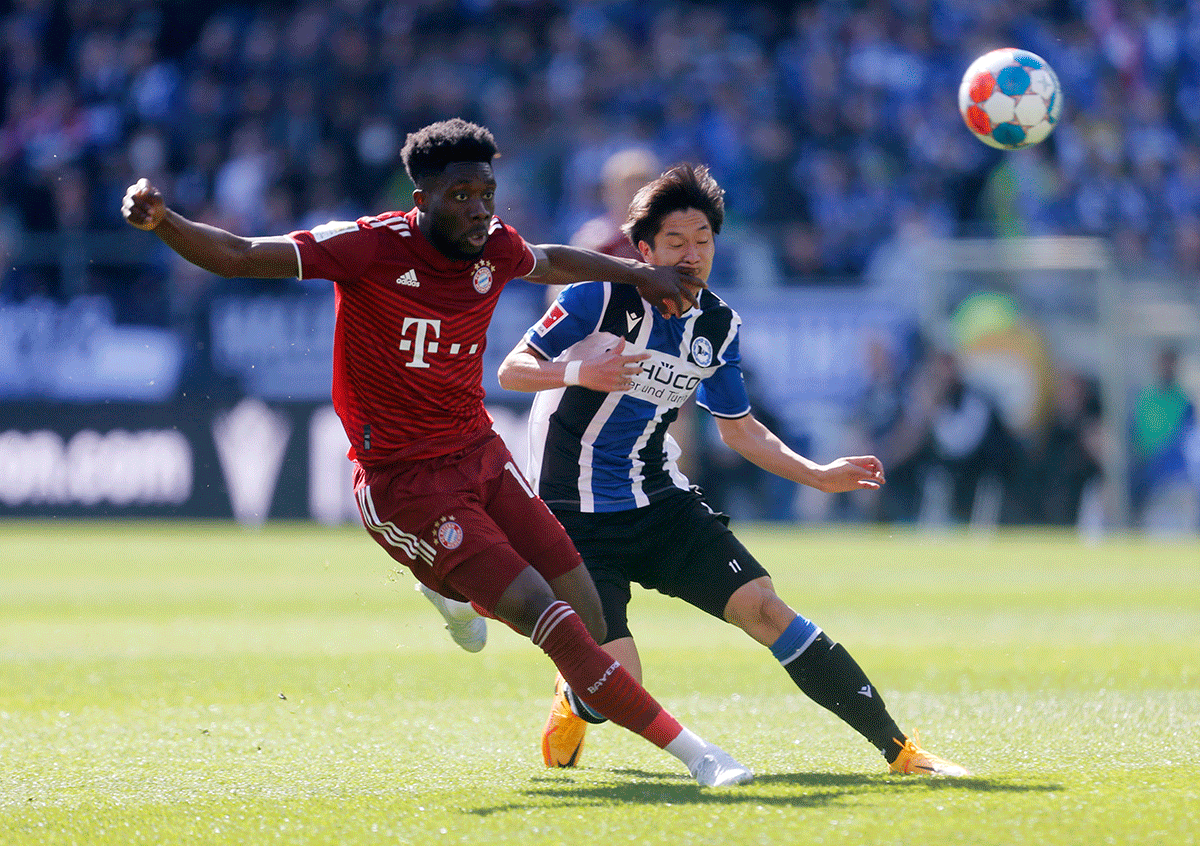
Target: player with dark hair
611, 373
436, 487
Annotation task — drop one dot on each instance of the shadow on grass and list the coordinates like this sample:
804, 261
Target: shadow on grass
813, 790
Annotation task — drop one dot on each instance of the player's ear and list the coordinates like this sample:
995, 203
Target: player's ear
419, 199
646, 250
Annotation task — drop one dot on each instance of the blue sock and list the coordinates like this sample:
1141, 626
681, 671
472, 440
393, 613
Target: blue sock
794, 640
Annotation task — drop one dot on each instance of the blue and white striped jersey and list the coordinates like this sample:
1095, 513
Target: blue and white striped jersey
596, 452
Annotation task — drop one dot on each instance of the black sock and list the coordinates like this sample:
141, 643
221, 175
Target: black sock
827, 674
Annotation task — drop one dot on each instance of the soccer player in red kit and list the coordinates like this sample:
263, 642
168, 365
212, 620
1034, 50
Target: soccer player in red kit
414, 294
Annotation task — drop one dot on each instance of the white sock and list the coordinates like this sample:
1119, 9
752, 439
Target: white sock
688, 747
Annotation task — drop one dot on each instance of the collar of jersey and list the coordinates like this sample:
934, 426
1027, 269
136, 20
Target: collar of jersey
433, 255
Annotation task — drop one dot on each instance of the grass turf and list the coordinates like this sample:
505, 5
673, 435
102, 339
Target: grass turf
175, 683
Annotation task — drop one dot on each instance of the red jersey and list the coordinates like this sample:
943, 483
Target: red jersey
410, 331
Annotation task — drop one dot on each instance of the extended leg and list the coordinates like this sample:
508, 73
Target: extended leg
529, 605
828, 675
566, 726
822, 669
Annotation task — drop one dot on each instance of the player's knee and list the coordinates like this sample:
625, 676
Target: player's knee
757, 610
523, 603
748, 605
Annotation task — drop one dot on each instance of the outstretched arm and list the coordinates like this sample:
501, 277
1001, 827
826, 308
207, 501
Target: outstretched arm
761, 446
208, 247
672, 290
524, 369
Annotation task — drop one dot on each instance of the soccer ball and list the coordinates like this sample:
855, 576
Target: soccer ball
1010, 98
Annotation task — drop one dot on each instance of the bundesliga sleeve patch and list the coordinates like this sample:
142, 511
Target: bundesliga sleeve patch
551, 319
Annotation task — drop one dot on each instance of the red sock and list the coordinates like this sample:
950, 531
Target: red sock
597, 679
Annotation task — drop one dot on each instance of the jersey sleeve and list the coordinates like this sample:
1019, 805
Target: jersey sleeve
723, 394
339, 250
571, 318
515, 250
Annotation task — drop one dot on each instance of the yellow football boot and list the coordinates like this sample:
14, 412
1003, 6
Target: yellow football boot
562, 739
913, 760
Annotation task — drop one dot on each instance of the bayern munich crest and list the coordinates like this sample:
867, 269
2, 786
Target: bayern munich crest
482, 278
450, 535
702, 351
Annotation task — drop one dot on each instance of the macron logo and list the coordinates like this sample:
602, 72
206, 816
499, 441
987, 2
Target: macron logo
865, 690
632, 319
409, 278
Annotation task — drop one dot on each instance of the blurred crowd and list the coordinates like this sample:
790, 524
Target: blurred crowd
953, 456
956, 456
833, 126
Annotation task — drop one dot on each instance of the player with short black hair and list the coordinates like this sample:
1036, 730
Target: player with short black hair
681, 187
437, 488
611, 374
430, 149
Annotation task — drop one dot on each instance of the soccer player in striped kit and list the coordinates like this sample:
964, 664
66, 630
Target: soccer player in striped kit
437, 488
611, 373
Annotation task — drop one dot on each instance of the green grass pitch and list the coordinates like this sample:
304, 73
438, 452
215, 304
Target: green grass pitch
202, 683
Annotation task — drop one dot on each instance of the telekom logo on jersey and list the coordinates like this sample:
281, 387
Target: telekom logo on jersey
424, 341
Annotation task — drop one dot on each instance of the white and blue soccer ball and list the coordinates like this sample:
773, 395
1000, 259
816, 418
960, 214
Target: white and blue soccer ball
1010, 98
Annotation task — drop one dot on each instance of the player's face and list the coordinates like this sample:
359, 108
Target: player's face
457, 207
685, 240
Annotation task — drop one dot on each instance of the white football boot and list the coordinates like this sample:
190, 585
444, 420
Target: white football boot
468, 629
716, 768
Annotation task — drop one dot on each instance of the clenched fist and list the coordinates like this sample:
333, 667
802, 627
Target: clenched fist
143, 206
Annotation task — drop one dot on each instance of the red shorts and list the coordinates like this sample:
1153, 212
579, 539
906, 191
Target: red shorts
466, 524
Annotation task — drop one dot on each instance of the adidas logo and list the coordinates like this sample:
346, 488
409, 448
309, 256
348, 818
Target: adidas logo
865, 690
409, 278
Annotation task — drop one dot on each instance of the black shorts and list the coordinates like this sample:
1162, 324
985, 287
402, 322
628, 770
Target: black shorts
677, 546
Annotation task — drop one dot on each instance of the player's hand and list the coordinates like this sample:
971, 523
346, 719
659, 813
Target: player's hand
852, 473
672, 290
143, 206
611, 371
